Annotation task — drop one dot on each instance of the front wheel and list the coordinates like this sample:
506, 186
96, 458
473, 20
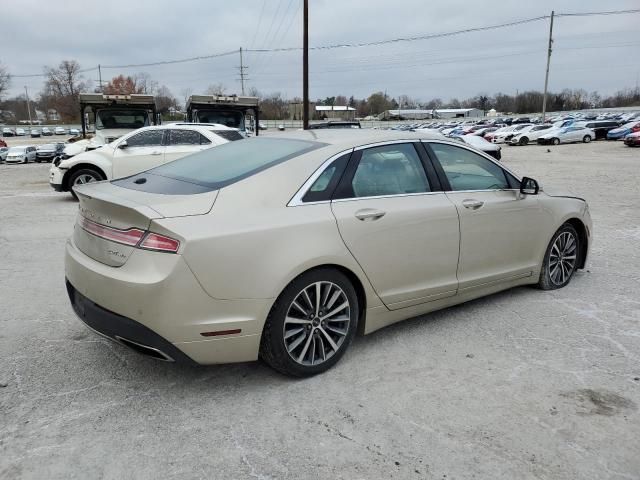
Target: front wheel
311, 324
586, 139
556, 141
561, 259
81, 177
524, 141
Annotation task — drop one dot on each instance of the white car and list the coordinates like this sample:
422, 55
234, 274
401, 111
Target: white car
507, 135
532, 134
4, 151
59, 131
74, 131
20, 132
136, 152
21, 155
570, 134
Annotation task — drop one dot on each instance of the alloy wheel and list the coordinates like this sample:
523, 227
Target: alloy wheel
85, 178
317, 323
562, 258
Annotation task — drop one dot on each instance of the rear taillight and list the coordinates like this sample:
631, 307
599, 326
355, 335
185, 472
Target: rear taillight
130, 237
160, 243
133, 237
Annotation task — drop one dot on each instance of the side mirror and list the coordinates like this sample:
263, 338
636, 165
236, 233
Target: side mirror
529, 186
123, 144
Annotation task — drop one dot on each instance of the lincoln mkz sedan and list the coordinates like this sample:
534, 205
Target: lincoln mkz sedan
285, 247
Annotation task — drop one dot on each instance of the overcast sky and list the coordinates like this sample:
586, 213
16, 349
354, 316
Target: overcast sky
594, 53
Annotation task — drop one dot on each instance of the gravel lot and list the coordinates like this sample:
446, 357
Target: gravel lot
520, 385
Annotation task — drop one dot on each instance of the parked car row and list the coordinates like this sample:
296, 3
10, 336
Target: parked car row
35, 132
30, 153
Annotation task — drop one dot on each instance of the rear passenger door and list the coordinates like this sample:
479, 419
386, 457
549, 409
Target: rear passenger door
139, 152
183, 142
397, 223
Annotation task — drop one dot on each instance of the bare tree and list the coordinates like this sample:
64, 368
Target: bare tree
65, 83
186, 93
5, 80
216, 89
144, 83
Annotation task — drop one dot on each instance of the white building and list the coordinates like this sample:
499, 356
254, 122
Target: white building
418, 114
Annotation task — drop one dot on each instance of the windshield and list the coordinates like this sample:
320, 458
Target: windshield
217, 167
47, 146
231, 119
121, 119
17, 149
629, 125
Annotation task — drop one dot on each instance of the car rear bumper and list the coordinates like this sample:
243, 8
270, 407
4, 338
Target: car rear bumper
123, 330
157, 301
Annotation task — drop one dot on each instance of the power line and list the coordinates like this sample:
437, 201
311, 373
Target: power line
591, 14
348, 45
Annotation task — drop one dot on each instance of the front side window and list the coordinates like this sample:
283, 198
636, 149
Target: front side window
467, 170
150, 138
389, 170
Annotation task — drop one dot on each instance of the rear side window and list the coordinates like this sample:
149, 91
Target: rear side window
325, 184
217, 167
389, 170
186, 137
230, 135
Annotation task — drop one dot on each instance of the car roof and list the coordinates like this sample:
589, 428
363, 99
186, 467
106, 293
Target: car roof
351, 137
182, 126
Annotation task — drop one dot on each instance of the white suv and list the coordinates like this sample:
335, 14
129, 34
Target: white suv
136, 152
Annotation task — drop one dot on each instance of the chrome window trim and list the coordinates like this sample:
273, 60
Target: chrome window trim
296, 200
482, 154
374, 197
389, 142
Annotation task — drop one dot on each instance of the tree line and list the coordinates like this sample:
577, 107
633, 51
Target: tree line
64, 82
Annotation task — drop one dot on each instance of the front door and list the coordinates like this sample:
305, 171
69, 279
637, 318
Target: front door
143, 150
403, 234
499, 238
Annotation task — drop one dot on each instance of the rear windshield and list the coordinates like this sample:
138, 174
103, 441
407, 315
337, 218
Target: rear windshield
219, 166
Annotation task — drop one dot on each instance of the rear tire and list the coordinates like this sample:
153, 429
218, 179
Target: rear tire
586, 139
298, 345
556, 141
561, 258
83, 176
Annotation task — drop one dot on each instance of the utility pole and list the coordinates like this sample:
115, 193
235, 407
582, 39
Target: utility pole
100, 78
26, 92
243, 75
305, 67
546, 77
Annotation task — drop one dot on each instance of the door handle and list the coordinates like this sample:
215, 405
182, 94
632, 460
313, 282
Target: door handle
369, 214
156, 153
472, 204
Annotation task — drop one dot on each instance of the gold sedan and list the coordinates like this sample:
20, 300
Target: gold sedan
284, 247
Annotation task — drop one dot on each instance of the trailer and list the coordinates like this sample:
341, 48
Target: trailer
233, 111
115, 115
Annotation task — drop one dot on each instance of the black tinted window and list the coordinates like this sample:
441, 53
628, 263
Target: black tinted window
148, 138
184, 137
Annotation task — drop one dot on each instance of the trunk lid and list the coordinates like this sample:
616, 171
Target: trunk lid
123, 209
